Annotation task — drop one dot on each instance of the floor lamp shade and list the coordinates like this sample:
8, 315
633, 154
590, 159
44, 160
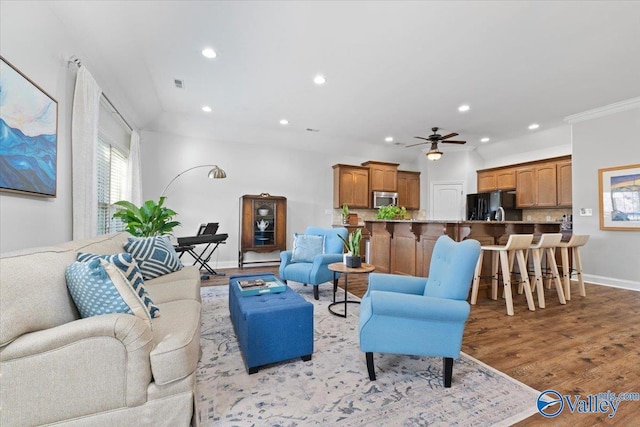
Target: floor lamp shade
214, 173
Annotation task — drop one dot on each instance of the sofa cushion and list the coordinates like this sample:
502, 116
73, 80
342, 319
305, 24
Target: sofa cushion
306, 247
99, 287
155, 255
176, 338
128, 266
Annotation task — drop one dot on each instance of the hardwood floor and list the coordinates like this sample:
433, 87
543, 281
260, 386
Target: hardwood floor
588, 346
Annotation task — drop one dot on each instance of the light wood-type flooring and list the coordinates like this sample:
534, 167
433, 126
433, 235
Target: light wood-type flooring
588, 346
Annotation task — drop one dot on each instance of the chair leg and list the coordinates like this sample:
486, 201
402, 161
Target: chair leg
524, 276
316, 293
506, 280
370, 368
448, 371
576, 256
476, 279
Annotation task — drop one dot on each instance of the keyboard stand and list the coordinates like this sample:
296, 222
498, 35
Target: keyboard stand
188, 244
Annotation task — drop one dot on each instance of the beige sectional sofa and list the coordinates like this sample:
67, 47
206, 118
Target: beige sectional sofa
109, 370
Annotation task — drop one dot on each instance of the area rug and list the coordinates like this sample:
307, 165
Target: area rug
333, 388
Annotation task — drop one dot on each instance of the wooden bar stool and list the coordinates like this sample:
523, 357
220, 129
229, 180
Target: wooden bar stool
574, 243
546, 247
516, 245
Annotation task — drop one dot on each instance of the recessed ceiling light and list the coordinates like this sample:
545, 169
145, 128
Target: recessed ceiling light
284, 122
463, 108
389, 139
209, 53
206, 109
533, 126
319, 79
485, 139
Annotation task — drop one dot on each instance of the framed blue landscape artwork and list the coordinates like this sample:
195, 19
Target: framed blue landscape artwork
28, 135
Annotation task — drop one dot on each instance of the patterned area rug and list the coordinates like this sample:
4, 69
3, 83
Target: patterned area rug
334, 388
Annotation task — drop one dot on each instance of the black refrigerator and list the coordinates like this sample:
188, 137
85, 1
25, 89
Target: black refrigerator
484, 206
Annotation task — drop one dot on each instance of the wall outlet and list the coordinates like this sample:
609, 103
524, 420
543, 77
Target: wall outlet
528, 217
328, 211
548, 217
586, 212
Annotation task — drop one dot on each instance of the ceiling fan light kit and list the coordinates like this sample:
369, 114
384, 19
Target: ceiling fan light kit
435, 154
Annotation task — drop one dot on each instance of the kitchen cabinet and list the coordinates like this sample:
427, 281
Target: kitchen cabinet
536, 186
382, 176
263, 225
350, 186
409, 189
498, 179
564, 182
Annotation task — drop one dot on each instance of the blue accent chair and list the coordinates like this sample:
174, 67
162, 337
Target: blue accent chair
317, 272
417, 315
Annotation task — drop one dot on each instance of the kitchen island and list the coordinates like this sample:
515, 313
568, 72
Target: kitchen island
405, 246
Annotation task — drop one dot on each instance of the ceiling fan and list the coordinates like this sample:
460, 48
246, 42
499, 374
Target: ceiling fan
434, 153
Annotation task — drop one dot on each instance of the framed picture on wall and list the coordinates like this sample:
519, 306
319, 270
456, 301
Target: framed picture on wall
28, 135
620, 197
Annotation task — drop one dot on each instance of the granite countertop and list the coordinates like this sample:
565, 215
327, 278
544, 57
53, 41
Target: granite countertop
458, 221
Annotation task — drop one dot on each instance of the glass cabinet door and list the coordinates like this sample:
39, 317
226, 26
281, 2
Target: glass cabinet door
264, 222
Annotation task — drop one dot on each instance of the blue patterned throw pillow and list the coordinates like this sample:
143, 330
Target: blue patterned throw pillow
306, 247
99, 287
125, 262
155, 255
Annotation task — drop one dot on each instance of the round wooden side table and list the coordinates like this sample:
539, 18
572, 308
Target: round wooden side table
339, 267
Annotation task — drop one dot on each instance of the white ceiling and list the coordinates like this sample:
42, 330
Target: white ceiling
393, 68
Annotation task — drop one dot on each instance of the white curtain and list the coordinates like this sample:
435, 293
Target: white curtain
84, 136
134, 175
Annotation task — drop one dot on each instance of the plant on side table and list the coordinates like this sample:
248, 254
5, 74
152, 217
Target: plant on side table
150, 219
352, 246
391, 212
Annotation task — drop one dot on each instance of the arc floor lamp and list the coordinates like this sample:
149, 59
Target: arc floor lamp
215, 173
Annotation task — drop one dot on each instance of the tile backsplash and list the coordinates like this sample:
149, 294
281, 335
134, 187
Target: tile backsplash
540, 215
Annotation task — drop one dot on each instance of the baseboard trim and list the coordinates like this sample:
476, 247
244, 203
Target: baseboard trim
613, 283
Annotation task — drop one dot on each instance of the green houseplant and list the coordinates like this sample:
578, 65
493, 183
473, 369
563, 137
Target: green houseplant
391, 212
150, 219
352, 246
345, 214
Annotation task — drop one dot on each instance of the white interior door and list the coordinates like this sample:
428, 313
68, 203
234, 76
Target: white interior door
446, 201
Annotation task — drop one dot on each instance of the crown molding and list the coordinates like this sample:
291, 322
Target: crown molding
617, 107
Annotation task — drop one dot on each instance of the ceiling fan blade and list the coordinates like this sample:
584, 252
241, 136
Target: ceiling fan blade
454, 142
413, 145
419, 137
451, 135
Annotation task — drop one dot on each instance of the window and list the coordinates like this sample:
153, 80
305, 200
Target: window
112, 175
112, 163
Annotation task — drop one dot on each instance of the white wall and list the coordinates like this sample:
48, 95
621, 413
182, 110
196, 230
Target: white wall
610, 257
305, 178
33, 40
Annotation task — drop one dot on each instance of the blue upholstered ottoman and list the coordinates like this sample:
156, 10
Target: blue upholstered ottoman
270, 327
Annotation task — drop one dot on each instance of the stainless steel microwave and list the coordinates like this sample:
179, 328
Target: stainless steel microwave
384, 198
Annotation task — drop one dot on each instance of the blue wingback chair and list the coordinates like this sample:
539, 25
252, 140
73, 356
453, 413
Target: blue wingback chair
317, 272
417, 315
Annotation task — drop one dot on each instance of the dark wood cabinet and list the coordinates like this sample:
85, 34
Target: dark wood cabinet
263, 225
409, 189
382, 176
350, 186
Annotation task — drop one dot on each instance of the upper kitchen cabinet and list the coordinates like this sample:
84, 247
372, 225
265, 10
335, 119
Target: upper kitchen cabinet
497, 179
564, 177
536, 186
409, 189
382, 176
350, 186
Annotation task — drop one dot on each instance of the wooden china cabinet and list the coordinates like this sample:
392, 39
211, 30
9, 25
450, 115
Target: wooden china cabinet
263, 225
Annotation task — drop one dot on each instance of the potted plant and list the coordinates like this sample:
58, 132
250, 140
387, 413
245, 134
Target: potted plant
391, 212
352, 246
150, 219
345, 214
